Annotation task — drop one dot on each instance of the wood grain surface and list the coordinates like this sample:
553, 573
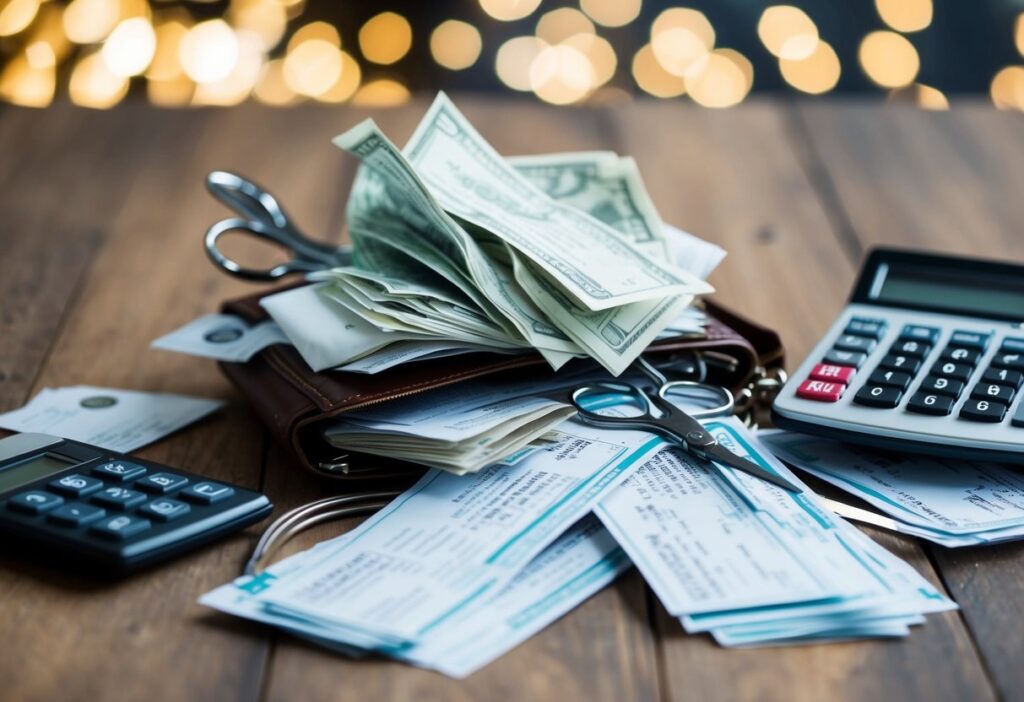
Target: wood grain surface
104, 213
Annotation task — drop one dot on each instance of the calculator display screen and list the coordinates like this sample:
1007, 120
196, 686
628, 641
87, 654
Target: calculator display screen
32, 469
965, 291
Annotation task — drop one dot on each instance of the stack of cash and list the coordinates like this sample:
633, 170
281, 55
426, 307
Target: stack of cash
453, 242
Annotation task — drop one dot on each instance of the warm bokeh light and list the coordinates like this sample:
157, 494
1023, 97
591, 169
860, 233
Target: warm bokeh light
1007, 88
1018, 33
611, 13
209, 51
90, 21
347, 83
16, 15
271, 88
514, 58
385, 38
48, 28
920, 95
509, 10
561, 75
720, 82
787, 32
381, 93
816, 74
166, 64
455, 45
28, 81
599, 52
172, 92
130, 47
312, 67
93, 85
681, 39
268, 19
558, 25
743, 63
652, 77
889, 59
905, 15
315, 30
237, 85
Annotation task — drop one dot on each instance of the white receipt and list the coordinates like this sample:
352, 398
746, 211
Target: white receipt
117, 420
222, 336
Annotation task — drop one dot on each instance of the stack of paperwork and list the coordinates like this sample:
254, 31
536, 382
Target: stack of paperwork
458, 570
952, 502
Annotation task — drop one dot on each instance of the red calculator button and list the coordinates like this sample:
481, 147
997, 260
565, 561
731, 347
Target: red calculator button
833, 373
820, 390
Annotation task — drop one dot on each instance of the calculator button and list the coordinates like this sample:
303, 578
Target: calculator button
971, 340
161, 483
1012, 345
983, 411
956, 371
164, 509
831, 373
942, 386
76, 485
960, 354
929, 335
76, 514
871, 328
119, 470
907, 364
120, 527
878, 396
930, 403
34, 502
838, 357
207, 493
889, 378
1013, 360
118, 497
851, 342
1003, 376
910, 347
992, 391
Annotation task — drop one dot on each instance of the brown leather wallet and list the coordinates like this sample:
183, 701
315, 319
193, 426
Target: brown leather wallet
294, 402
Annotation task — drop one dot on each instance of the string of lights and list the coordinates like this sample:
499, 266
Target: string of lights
200, 53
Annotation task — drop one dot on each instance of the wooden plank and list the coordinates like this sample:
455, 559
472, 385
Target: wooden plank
949, 182
601, 651
734, 178
145, 636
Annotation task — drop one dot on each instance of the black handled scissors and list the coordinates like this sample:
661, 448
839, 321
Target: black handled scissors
264, 218
673, 423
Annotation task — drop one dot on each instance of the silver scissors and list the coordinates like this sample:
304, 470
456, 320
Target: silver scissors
264, 218
673, 423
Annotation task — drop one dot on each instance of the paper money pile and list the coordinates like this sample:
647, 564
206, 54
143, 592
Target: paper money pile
454, 242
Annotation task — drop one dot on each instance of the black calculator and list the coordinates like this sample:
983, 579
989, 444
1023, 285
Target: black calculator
108, 510
928, 356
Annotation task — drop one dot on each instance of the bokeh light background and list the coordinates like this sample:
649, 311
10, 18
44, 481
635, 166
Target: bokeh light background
714, 53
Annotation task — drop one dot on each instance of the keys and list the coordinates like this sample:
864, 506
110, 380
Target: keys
878, 396
852, 342
120, 498
830, 373
871, 328
910, 347
930, 403
120, 527
975, 410
75, 485
119, 471
970, 340
1011, 344
942, 386
993, 391
164, 509
76, 514
161, 483
1012, 360
1003, 376
889, 378
907, 364
206, 492
34, 502
929, 335
960, 354
837, 357
956, 371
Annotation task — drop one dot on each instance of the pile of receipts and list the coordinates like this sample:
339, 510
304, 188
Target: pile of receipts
952, 502
458, 570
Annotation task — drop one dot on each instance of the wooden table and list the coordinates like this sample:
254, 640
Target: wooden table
102, 219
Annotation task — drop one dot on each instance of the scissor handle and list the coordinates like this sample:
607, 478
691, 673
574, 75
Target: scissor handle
248, 199
725, 403
594, 392
259, 229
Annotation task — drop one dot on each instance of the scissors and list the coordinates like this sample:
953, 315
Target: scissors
673, 423
263, 218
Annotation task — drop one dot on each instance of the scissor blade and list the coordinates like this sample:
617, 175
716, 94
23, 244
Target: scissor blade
720, 454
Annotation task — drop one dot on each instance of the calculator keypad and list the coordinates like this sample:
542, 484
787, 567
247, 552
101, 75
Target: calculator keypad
119, 498
161, 483
878, 396
120, 527
164, 509
924, 402
76, 514
119, 470
34, 502
75, 485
